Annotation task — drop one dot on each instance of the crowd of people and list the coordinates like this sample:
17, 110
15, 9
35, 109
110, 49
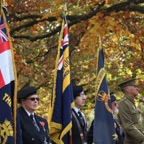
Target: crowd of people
34, 129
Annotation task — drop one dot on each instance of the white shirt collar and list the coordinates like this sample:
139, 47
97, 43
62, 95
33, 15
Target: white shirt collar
28, 112
76, 109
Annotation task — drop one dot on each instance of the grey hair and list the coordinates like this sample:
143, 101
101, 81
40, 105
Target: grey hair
125, 88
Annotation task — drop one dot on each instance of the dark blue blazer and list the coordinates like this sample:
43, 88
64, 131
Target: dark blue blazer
29, 133
76, 139
18, 131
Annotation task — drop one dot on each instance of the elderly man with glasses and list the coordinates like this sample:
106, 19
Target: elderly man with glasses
129, 115
34, 129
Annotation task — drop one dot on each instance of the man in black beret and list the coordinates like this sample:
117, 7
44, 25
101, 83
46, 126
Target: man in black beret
79, 125
33, 127
129, 116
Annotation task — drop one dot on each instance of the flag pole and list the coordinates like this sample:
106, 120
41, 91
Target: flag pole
55, 79
102, 101
61, 121
65, 13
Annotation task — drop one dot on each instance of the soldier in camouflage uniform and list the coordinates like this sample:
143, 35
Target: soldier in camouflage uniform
129, 116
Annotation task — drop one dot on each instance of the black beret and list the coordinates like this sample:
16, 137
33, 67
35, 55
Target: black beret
129, 82
113, 98
26, 92
77, 90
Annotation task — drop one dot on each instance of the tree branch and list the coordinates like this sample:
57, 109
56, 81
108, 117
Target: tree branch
131, 5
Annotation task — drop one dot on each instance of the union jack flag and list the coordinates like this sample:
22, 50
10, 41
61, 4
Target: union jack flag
64, 43
5, 56
7, 85
61, 122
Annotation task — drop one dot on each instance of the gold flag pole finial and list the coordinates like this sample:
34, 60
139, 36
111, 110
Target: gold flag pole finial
1, 8
3, 2
65, 8
100, 42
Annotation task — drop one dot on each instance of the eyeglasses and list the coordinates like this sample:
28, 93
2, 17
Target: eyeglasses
33, 99
82, 94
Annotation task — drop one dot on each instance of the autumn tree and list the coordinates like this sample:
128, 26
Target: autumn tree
34, 28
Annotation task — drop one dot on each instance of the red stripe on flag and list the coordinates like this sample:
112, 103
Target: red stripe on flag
65, 30
4, 46
2, 83
60, 60
2, 26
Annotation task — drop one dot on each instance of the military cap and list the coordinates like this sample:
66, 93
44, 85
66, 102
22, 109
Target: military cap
26, 92
129, 82
77, 90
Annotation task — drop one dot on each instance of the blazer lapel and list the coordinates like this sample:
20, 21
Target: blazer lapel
78, 118
42, 128
32, 127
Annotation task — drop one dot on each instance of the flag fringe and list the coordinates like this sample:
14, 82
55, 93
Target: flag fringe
55, 75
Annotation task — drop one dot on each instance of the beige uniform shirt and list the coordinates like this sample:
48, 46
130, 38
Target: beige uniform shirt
129, 118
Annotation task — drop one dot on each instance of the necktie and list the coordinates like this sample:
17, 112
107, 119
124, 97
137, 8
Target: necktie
34, 122
81, 118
